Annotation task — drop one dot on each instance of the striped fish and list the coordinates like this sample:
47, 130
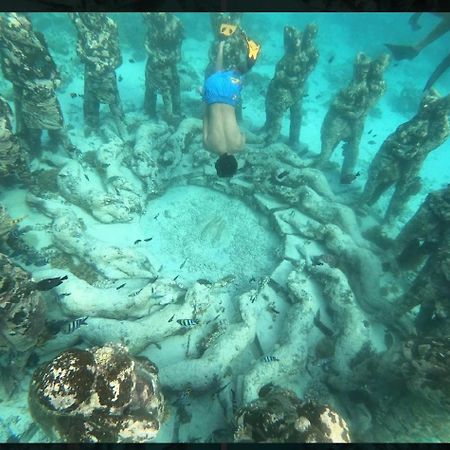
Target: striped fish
188, 323
270, 358
72, 326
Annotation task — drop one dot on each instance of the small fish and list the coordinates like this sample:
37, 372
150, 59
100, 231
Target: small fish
137, 241
148, 239
271, 308
370, 131
218, 315
374, 135
187, 323
330, 59
156, 216
183, 399
183, 263
74, 325
174, 278
105, 165
73, 94
121, 286
203, 281
282, 174
218, 391
133, 294
65, 294
321, 326
131, 60
270, 358
87, 178
49, 283
170, 320
372, 142
120, 78
62, 175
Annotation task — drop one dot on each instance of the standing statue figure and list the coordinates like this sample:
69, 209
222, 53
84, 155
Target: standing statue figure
400, 158
27, 63
287, 87
13, 157
165, 36
346, 116
427, 234
98, 48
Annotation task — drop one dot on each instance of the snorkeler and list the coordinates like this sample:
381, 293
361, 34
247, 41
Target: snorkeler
400, 52
221, 93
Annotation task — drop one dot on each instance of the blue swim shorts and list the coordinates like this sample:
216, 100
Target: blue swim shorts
223, 87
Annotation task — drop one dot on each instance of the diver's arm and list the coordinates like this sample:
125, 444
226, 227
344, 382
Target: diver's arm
219, 57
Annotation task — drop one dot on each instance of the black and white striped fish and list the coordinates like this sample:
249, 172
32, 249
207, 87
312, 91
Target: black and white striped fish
270, 358
188, 323
72, 326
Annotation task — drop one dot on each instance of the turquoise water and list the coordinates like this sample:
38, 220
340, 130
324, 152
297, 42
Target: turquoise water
249, 244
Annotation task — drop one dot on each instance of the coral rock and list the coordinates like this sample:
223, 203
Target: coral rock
97, 395
278, 415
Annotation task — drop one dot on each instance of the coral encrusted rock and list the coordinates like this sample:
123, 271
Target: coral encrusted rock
278, 415
98, 395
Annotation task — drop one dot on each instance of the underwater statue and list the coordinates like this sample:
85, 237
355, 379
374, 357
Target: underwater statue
98, 48
28, 65
287, 87
165, 35
400, 158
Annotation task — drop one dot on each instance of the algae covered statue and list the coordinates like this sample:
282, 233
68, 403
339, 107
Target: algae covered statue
346, 116
98, 48
13, 157
165, 36
287, 87
427, 236
28, 65
400, 158
222, 93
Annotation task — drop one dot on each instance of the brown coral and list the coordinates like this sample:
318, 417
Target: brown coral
280, 416
98, 395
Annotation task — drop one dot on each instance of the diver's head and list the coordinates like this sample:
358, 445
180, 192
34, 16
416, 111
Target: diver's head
226, 166
292, 39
